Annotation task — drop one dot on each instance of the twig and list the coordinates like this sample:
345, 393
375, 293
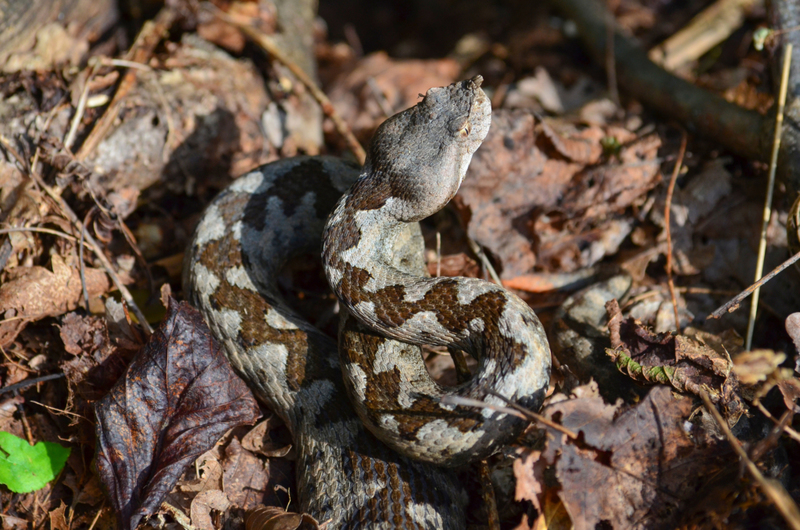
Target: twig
73, 218
513, 409
37, 229
771, 488
733, 304
61, 411
740, 130
271, 48
140, 52
80, 260
794, 435
76, 120
773, 163
30, 382
97, 515
478, 251
487, 492
10, 148
667, 210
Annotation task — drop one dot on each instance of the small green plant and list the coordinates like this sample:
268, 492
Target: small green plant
25, 468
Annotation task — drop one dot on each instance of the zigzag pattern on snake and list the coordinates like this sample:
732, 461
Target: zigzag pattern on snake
383, 461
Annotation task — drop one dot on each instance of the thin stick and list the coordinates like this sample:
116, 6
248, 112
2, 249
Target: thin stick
97, 516
771, 488
271, 48
76, 120
473, 245
788, 430
513, 409
667, 209
80, 260
73, 218
776, 144
30, 382
733, 304
42, 230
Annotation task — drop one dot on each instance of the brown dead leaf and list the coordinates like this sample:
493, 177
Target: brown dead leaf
579, 146
260, 439
627, 469
272, 518
36, 292
58, 518
202, 505
14, 523
752, 367
554, 212
248, 482
790, 390
793, 329
177, 398
377, 86
82, 334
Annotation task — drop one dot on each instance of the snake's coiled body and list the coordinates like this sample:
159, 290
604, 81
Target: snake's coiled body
372, 255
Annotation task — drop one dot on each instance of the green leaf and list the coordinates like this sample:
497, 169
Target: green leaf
25, 468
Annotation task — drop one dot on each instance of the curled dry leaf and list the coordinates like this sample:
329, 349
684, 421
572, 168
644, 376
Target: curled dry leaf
177, 398
625, 468
688, 363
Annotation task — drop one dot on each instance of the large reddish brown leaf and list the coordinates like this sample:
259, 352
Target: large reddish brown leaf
177, 398
637, 468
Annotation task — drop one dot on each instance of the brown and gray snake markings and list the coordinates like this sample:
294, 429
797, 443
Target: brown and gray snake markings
372, 256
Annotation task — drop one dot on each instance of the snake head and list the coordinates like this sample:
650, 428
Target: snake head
421, 154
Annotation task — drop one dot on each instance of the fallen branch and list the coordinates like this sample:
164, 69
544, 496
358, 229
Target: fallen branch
744, 132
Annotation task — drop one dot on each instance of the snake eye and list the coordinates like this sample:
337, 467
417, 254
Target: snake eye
464, 131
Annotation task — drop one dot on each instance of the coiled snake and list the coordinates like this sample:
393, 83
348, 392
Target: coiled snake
372, 257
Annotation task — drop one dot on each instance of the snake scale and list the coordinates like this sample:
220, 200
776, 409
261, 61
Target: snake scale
387, 459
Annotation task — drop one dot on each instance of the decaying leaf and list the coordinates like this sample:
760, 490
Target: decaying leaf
752, 367
532, 200
178, 396
36, 293
622, 469
793, 329
689, 363
272, 518
202, 505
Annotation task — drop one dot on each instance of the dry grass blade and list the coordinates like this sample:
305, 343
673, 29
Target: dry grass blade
667, 208
776, 145
771, 488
